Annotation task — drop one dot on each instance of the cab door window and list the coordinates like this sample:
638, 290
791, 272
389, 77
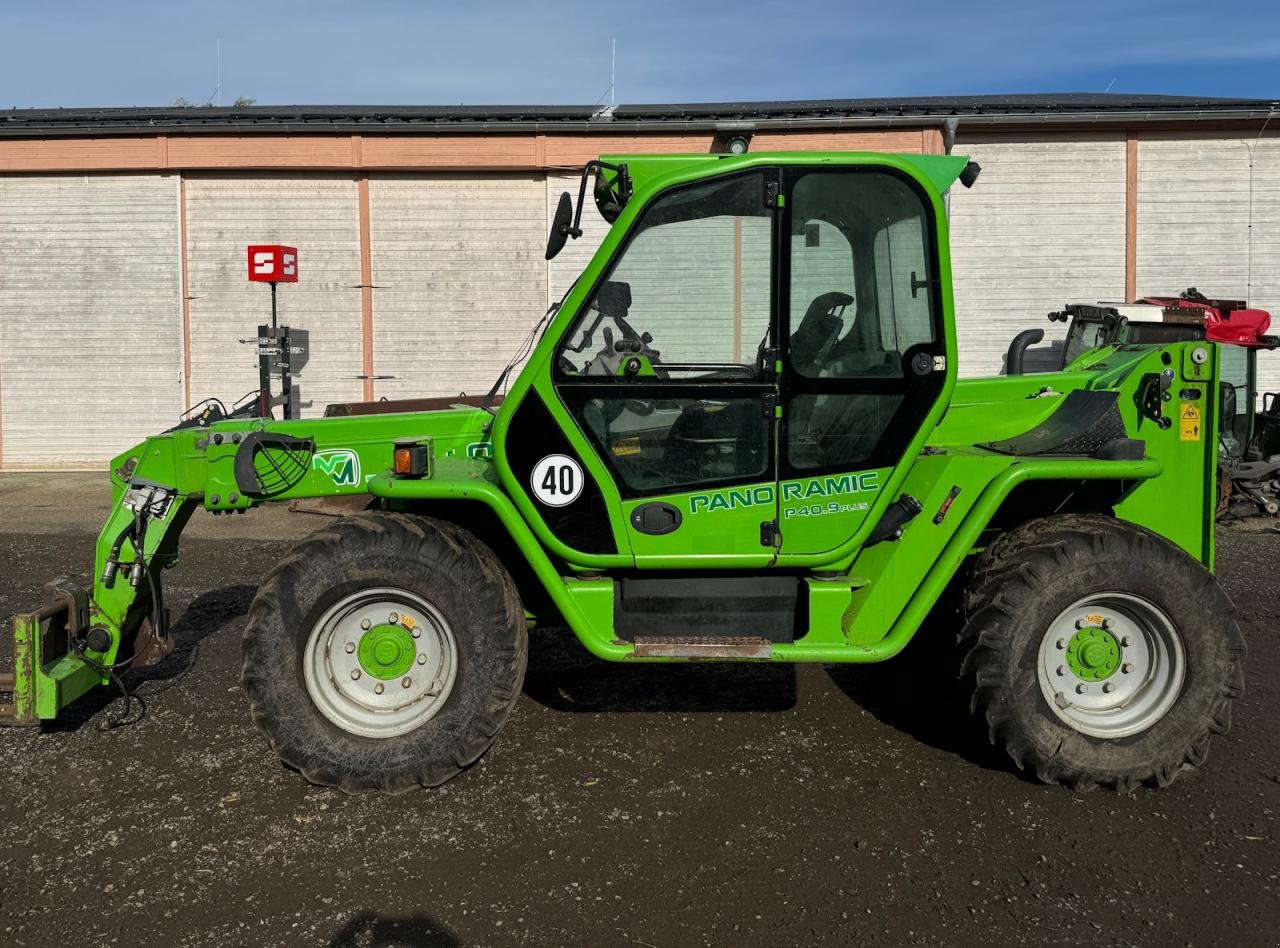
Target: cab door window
862, 322
662, 365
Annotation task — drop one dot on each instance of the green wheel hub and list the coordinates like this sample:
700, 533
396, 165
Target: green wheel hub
1093, 654
386, 651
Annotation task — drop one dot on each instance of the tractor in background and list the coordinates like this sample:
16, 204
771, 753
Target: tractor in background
1248, 434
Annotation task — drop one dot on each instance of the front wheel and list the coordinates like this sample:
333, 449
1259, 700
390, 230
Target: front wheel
1099, 652
385, 652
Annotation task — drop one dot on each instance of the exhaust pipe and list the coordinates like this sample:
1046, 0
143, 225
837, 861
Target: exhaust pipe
1018, 348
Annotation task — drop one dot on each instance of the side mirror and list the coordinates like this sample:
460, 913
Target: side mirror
561, 226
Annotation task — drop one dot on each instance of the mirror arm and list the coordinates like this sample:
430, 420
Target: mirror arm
624, 191
575, 230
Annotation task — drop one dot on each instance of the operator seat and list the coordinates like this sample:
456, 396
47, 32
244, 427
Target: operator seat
811, 345
818, 331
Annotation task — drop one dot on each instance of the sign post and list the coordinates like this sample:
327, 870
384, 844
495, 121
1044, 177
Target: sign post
274, 264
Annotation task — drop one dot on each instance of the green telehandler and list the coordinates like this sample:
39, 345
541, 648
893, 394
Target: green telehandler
739, 436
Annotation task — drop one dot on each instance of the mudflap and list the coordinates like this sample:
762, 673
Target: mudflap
47, 675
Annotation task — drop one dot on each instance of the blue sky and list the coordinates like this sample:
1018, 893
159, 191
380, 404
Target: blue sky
140, 52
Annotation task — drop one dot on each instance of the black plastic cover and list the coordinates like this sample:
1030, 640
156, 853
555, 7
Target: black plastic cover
768, 606
1084, 422
582, 525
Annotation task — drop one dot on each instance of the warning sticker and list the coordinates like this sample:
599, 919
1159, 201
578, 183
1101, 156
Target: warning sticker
1189, 422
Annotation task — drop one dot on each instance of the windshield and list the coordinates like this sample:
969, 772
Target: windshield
688, 297
1084, 334
1235, 400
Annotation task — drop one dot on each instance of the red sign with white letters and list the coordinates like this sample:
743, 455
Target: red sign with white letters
273, 263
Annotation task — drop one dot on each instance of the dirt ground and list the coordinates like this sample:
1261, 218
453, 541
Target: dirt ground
717, 805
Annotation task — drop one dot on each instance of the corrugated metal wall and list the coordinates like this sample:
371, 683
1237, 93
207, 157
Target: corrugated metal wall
459, 276
320, 216
90, 316
1209, 217
1045, 225
90, 298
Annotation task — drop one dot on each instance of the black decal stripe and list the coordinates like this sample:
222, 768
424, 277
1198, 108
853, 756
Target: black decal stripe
582, 525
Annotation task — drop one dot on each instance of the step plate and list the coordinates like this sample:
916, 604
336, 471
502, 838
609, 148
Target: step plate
684, 607
702, 646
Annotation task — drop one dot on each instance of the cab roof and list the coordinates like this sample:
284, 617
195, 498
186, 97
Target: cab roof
939, 170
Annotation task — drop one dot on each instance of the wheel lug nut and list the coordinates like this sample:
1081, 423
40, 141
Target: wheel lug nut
365, 623
1126, 667
406, 681
422, 658
1062, 669
1126, 640
1081, 689
393, 618
355, 674
1079, 623
1061, 643
1109, 687
416, 633
378, 689
351, 647
1106, 623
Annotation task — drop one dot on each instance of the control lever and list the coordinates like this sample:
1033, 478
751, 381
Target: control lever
1154, 393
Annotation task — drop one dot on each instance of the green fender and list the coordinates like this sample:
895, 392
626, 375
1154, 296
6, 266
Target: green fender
923, 596
479, 490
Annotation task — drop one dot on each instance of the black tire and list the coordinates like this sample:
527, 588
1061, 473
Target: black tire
1025, 581
438, 561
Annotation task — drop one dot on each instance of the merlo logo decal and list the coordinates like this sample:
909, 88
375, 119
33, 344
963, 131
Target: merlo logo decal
341, 464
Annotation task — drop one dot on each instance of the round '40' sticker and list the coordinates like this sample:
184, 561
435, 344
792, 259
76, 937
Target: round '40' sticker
556, 480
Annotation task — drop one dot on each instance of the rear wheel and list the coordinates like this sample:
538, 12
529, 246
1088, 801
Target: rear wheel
1099, 652
384, 652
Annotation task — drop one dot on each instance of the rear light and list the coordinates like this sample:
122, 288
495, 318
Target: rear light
411, 459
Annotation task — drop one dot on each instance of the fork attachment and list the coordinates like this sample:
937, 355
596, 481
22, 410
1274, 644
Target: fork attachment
46, 674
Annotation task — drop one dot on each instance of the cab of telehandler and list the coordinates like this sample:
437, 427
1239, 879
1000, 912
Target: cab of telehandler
752, 329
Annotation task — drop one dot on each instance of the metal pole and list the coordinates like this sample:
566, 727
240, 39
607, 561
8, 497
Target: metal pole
286, 372
273, 304
264, 372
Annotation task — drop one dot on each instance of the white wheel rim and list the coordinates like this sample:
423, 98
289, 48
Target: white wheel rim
368, 703
1147, 677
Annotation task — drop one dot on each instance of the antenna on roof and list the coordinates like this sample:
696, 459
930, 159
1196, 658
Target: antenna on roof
216, 97
1248, 267
613, 68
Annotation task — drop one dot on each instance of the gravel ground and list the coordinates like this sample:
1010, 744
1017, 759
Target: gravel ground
624, 806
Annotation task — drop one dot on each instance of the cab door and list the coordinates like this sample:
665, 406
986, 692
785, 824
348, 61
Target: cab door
864, 355
668, 372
